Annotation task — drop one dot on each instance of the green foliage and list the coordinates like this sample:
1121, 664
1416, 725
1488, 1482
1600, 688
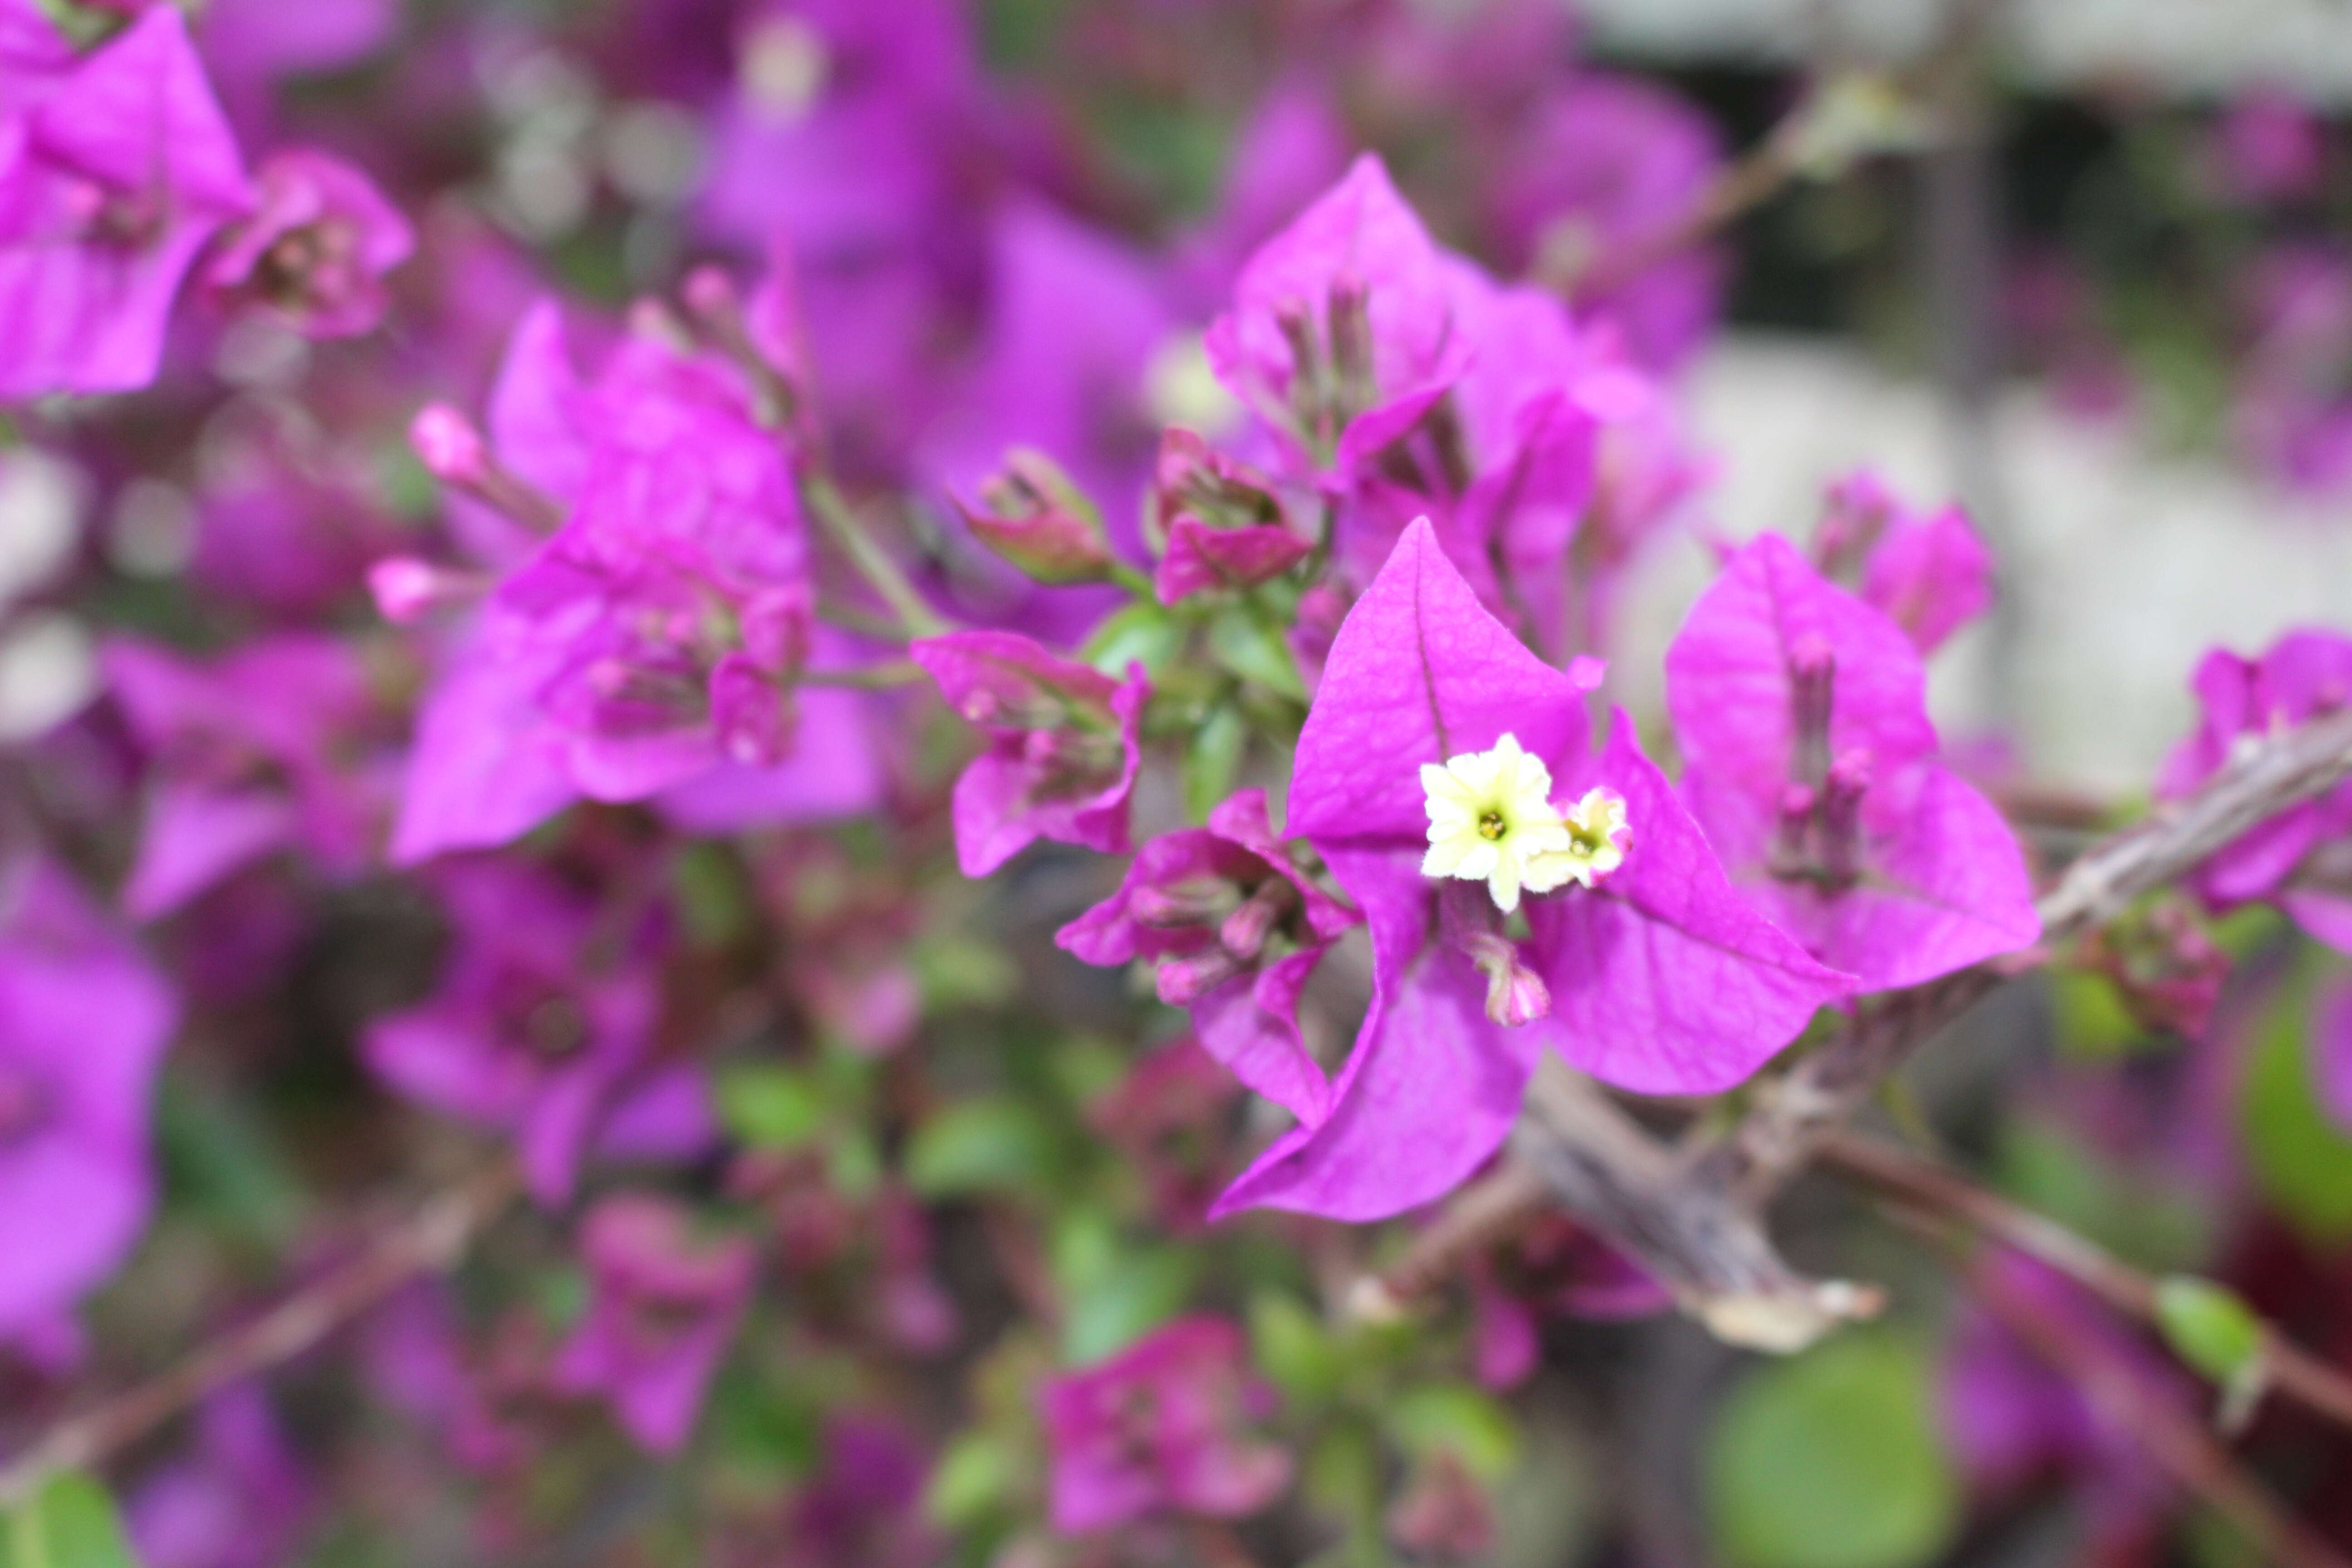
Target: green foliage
1140, 632
2209, 1326
1116, 1291
2302, 1159
1254, 649
993, 1143
1292, 1349
1833, 1461
769, 1107
1460, 1418
972, 1481
71, 1522
1214, 759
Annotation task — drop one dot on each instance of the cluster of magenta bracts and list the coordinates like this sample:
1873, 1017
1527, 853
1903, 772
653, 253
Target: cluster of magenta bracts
675, 574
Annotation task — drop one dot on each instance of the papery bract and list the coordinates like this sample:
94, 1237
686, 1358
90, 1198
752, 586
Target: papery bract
1607, 165
1929, 572
1062, 752
1346, 314
1661, 979
115, 168
84, 1020
1812, 765
662, 1308
239, 1501
1161, 1426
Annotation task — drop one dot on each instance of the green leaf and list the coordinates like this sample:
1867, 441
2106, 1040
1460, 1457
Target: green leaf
716, 905
71, 1522
771, 1107
2300, 1158
1142, 632
1144, 1289
1214, 759
957, 971
989, 1144
1833, 1461
972, 1479
1293, 1348
1459, 1417
2209, 1326
1256, 651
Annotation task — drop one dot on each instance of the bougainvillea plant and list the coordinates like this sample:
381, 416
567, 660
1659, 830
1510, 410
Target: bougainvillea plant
815, 783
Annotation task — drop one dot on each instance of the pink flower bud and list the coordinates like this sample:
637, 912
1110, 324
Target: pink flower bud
449, 445
1185, 981
1245, 931
1033, 515
404, 588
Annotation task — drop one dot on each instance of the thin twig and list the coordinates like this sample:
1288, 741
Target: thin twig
2178, 1443
1946, 1193
1822, 1092
432, 1238
1484, 1212
873, 563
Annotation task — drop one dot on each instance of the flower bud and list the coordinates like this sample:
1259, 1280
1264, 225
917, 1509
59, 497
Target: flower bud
1245, 931
449, 445
1841, 816
1033, 515
406, 588
1813, 688
1185, 981
1516, 994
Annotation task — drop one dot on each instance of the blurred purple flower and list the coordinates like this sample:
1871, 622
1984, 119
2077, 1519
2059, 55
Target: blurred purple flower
1061, 751
1661, 979
2270, 147
120, 169
1813, 767
1166, 1117
1608, 164
1928, 571
2013, 1419
663, 1308
239, 1501
1161, 1426
2301, 859
316, 250
83, 1024
863, 1506
1554, 1268
277, 745
541, 1029
1233, 929
650, 649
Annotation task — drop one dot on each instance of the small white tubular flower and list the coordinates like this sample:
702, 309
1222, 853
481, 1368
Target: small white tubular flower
1599, 834
1490, 816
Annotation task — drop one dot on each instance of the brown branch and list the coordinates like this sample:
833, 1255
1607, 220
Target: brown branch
2178, 1443
1825, 1088
1484, 1212
431, 1239
1947, 1195
1691, 1220
1628, 1186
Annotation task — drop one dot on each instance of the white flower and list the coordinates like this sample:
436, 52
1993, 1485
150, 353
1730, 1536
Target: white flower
1599, 834
1490, 816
